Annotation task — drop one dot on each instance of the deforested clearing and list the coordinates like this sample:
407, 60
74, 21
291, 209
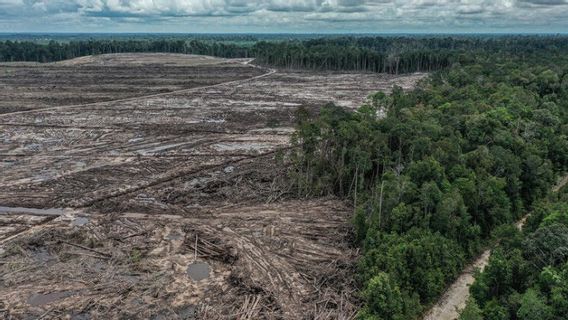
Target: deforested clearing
161, 182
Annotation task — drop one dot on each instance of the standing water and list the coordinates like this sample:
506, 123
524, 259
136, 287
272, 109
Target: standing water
80, 221
198, 271
39, 299
44, 212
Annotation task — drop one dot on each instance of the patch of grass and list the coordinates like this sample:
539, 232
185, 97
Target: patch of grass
135, 256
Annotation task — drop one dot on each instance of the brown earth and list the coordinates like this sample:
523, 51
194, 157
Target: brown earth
28, 86
146, 175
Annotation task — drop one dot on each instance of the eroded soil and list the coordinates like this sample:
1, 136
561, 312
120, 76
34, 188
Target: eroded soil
156, 181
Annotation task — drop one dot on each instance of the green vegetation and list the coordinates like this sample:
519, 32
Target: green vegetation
447, 166
56, 51
527, 276
373, 54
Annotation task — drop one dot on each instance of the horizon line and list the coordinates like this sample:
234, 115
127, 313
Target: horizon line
290, 33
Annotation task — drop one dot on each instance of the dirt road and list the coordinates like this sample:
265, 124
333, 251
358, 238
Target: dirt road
455, 298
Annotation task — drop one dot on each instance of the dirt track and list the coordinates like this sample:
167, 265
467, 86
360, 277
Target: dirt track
455, 298
91, 80
153, 175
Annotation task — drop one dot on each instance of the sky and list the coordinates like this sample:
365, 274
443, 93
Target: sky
285, 16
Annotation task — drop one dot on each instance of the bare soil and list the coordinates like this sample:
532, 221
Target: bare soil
154, 182
25, 86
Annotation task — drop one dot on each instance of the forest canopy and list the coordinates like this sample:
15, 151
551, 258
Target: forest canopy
400, 54
527, 276
437, 172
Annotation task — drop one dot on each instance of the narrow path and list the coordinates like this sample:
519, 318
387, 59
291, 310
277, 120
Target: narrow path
455, 298
234, 82
560, 184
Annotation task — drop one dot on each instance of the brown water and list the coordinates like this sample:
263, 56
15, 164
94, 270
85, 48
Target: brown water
198, 271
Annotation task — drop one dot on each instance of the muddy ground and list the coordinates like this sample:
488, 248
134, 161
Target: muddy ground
176, 201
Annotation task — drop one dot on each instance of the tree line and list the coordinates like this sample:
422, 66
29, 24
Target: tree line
337, 57
369, 54
11, 51
397, 54
470, 150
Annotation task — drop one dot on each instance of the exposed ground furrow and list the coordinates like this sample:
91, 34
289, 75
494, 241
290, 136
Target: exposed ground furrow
160, 179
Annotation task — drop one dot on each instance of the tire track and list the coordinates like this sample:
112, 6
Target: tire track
165, 94
167, 177
105, 146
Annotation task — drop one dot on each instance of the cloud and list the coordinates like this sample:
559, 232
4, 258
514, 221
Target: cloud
545, 2
471, 9
165, 8
282, 15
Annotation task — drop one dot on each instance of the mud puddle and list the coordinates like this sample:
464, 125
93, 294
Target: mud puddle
80, 221
42, 255
198, 271
174, 236
39, 299
46, 212
189, 312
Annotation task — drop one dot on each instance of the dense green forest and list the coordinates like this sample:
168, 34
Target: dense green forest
364, 54
527, 276
56, 51
373, 54
395, 54
435, 172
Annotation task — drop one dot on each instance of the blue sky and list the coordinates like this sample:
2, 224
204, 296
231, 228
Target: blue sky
301, 16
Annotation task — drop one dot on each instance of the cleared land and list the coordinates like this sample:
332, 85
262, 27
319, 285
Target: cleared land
172, 169
25, 86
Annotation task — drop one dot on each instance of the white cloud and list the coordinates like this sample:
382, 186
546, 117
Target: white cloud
284, 15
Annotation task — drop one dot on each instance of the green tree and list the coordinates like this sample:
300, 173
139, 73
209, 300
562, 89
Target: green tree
471, 311
493, 310
533, 307
383, 298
